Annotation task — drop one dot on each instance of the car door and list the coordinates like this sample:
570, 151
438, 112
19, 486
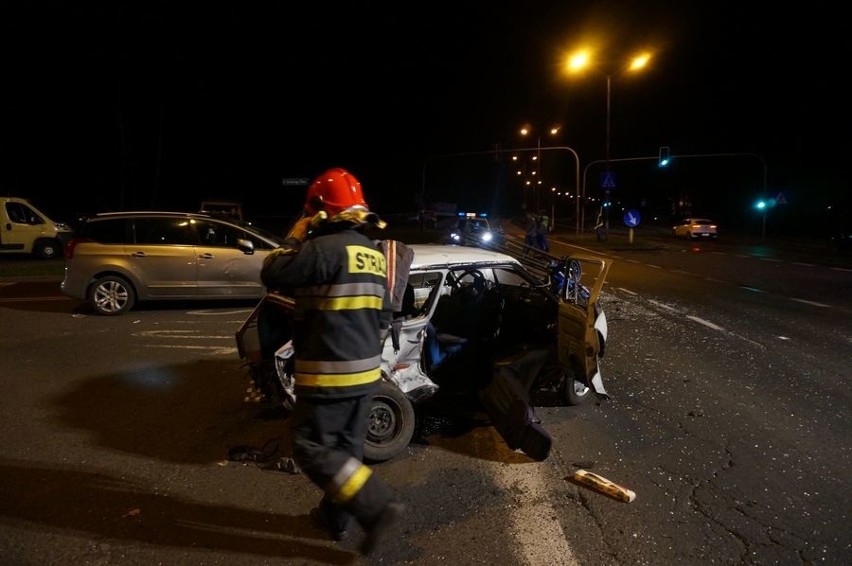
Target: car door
162, 257
224, 270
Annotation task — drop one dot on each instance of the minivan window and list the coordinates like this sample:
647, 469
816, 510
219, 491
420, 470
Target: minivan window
112, 231
164, 231
217, 234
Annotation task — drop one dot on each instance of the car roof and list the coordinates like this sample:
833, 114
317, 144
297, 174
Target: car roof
437, 255
125, 213
226, 219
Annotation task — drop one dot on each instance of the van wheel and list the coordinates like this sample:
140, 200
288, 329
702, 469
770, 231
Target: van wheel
390, 424
48, 249
111, 295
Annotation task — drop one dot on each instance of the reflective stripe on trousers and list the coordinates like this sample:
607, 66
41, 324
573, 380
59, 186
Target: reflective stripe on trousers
328, 444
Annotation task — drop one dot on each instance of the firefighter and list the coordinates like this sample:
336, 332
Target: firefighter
338, 279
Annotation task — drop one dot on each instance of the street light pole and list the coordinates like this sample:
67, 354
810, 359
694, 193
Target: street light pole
608, 114
608, 117
582, 59
537, 185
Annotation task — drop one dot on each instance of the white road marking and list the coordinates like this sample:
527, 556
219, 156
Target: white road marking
704, 322
662, 305
534, 527
628, 291
214, 312
213, 350
181, 335
812, 303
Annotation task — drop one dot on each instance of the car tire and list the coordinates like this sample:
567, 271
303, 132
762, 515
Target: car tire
111, 295
574, 391
48, 249
390, 424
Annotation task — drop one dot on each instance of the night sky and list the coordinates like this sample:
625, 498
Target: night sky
138, 105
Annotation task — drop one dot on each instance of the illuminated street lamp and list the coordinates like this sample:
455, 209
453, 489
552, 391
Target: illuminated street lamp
582, 60
527, 130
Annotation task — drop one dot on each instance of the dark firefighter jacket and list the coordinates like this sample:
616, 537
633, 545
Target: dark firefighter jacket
338, 279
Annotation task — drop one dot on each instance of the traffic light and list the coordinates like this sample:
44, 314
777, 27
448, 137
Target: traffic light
664, 156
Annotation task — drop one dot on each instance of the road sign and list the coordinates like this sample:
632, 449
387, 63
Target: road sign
608, 179
632, 218
295, 181
779, 199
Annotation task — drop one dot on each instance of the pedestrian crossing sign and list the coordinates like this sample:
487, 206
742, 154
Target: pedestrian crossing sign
608, 180
779, 199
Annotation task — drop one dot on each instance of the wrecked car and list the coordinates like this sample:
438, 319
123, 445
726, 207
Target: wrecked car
479, 326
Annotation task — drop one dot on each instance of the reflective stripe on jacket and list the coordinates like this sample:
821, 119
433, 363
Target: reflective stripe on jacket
338, 280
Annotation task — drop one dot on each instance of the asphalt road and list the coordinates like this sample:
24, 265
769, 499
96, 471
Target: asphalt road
729, 418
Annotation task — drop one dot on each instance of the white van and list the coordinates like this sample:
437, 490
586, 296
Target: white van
24, 229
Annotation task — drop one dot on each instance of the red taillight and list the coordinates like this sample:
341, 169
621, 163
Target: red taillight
72, 243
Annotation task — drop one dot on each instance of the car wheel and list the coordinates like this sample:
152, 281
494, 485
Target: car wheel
574, 391
48, 249
111, 295
390, 424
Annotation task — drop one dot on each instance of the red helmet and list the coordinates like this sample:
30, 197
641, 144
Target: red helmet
334, 191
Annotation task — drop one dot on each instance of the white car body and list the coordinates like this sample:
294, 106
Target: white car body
458, 299
696, 228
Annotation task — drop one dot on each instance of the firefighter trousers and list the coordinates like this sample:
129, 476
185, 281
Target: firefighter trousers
328, 444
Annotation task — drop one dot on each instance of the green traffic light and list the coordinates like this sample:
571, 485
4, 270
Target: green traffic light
760, 205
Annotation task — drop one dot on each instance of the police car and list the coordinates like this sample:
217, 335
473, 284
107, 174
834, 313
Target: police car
472, 229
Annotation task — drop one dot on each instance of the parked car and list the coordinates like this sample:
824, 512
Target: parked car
460, 306
118, 259
695, 228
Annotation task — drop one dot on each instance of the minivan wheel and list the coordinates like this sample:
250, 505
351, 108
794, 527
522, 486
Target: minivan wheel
390, 425
111, 295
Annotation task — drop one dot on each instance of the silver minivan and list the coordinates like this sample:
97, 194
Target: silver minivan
116, 260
